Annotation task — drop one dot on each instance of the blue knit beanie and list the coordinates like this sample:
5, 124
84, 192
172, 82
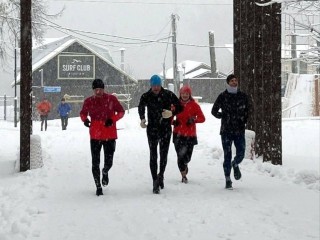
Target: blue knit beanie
155, 80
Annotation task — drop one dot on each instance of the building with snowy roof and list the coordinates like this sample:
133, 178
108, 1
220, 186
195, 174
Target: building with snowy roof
66, 67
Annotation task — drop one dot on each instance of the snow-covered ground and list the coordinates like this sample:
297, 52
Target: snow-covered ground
58, 201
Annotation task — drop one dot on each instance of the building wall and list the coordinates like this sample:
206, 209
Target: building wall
75, 87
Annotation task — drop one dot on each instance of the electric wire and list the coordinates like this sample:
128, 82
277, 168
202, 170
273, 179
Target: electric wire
121, 37
145, 3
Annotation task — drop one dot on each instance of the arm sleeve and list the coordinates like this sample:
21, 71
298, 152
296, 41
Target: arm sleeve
200, 116
118, 109
142, 107
84, 111
215, 108
177, 107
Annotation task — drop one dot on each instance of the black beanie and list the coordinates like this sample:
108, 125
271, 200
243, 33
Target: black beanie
97, 83
231, 76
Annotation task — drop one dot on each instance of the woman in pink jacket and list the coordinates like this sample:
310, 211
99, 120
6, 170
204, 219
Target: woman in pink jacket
104, 111
184, 131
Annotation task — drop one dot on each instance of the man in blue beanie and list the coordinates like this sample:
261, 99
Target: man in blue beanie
161, 105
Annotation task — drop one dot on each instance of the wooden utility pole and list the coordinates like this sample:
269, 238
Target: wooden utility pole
294, 63
25, 83
15, 83
212, 55
176, 80
122, 58
257, 63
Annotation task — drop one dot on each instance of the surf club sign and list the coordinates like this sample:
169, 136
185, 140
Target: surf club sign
76, 67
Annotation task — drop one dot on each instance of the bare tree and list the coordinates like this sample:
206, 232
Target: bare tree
301, 19
10, 24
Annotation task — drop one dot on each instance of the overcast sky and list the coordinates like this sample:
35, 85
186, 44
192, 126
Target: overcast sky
145, 19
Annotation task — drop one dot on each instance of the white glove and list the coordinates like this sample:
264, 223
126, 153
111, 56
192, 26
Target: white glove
143, 123
166, 113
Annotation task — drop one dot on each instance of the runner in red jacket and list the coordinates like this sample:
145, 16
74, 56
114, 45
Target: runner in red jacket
104, 111
184, 131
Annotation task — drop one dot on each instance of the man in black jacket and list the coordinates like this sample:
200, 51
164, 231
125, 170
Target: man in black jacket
234, 106
161, 105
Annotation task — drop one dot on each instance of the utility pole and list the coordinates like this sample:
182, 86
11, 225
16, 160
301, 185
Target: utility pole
26, 82
294, 64
176, 80
15, 82
212, 55
122, 58
164, 72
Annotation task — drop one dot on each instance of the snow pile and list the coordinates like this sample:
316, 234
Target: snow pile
36, 152
307, 178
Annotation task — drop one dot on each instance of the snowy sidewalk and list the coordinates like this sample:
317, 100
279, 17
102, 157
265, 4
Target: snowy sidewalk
58, 201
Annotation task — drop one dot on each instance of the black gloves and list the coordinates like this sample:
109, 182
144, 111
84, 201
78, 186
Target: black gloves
175, 123
108, 122
219, 115
191, 121
87, 123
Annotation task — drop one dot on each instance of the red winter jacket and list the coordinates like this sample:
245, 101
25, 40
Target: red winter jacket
191, 109
44, 107
100, 109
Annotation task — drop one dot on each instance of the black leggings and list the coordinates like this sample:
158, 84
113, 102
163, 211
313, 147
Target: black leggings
164, 143
64, 122
44, 120
184, 151
108, 149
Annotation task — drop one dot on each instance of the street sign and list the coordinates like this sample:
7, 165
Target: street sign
52, 89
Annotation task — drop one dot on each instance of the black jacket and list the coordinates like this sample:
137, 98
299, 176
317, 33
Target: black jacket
155, 105
234, 112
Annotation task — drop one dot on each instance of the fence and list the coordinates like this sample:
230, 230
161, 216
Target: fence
7, 108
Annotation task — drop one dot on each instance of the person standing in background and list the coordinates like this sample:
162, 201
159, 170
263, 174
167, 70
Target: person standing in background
161, 105
44, 107
104, 111
64, 110
184, 131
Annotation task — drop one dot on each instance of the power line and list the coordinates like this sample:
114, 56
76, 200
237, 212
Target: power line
137, 39
116, 36
145, 3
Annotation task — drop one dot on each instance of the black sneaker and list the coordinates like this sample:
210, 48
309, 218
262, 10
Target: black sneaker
184, 180
99, 191
229, 185
105, 179
156, 189
236, 172
160, 180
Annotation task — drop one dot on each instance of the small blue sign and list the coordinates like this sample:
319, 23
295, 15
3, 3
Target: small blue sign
51, 89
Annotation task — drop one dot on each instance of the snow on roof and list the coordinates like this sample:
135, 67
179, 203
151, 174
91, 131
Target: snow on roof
186, 67
197, 73
45, 41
